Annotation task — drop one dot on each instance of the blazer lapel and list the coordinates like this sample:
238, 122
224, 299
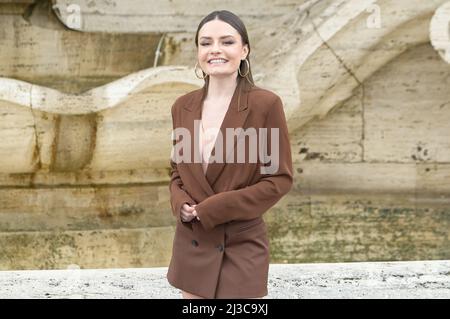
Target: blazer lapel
234, 118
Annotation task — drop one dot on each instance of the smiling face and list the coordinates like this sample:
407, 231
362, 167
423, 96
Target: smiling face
220, 49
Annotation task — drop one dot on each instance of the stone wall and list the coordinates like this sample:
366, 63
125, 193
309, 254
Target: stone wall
372, 176
85, 130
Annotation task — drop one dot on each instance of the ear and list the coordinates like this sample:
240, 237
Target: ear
244, 51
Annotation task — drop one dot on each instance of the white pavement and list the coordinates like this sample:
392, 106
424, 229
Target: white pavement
415, 279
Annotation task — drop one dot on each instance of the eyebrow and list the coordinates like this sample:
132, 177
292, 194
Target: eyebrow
222, 37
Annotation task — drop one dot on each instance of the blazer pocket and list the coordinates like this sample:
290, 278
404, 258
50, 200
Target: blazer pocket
248, 225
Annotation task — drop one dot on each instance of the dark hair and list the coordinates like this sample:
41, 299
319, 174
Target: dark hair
235, 22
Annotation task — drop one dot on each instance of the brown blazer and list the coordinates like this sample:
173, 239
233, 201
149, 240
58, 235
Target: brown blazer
231, 199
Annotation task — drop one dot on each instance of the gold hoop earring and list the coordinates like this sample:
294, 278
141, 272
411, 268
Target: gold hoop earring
248, 68
196, 74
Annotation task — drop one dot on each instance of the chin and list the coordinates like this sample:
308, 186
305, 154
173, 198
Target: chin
220, 74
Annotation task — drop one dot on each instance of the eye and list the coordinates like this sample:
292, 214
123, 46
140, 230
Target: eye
204, 44
229, 42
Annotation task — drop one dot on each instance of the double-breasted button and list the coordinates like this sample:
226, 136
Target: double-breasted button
220, 247
194, 243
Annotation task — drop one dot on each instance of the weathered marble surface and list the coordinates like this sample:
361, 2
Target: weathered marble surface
413, 279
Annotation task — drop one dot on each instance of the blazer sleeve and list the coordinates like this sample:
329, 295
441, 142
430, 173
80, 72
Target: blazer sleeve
254, 200
178, 196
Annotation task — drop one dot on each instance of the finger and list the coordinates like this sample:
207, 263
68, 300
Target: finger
186, 214
187, 209
184, 210
186, 218
183, 216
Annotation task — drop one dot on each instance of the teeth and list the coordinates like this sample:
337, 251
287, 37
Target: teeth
217, 61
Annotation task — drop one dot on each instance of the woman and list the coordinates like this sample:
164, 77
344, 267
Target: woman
221, 247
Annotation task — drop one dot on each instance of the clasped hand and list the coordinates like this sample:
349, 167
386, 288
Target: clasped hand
188, 213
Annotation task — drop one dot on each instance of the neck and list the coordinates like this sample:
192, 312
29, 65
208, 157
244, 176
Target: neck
220, 87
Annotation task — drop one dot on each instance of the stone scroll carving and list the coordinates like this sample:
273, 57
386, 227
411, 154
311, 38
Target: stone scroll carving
440, 31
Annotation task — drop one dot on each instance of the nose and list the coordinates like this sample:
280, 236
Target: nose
215, 48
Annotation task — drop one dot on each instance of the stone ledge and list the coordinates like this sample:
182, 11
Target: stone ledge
411, 279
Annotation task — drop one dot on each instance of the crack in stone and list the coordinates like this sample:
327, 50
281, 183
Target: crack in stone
341, 61
352, 74
363, 121
37, 147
